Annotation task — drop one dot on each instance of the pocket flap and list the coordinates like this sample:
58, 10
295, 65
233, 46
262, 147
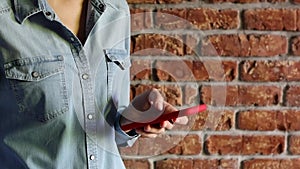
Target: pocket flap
34, 69
119, 56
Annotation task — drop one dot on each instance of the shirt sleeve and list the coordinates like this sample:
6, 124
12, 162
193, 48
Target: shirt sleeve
122, 90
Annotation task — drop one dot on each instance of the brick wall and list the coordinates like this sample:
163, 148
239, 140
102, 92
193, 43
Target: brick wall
240, 57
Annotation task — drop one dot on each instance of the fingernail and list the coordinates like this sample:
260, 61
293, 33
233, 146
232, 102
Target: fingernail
160, 106
146, 128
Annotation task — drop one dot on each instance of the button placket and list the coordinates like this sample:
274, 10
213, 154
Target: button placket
89, 108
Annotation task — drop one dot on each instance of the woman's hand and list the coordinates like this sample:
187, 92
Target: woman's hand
147, 107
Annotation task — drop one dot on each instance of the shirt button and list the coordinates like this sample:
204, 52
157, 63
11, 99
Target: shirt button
61, 58
92, 157
85, 76
101, 7
35, 74
48, 13
90, 117
72, 39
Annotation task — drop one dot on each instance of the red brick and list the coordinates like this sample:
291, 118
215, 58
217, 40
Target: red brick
270, 71
206, 164
290, 120
217, 70
292, 96
241, 95
224, 144
245, 45
263, 145
267, 45
234, 1
198, 164
292, 163
206, 19
156, 1
199, 70
174, 164
295, 45
192, 44
262, 70
244, 145
174, 70
134, 164
190, 145
298, 17
292, 71
140, 19
294, 145
170, 144
140, 70
170, 1
246, 1
141, 1
170, 19
267, 120
259, 95
215, 164
270, 19
220, 95
214, 120
158, 44
137, 44
296, 1
229, 164
185, 70
257, 120
199, 18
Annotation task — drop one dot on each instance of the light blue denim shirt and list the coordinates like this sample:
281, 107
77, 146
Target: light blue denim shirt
60, 100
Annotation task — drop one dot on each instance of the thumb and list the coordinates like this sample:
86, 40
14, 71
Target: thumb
156, 99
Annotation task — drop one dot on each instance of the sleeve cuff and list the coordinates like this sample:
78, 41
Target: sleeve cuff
124, 139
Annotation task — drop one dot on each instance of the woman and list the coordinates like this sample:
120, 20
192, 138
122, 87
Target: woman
64, 83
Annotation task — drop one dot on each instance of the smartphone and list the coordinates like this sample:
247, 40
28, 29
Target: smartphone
165, 117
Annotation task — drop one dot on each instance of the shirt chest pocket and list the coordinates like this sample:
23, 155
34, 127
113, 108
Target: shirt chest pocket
118, 64
117, 58
39, 86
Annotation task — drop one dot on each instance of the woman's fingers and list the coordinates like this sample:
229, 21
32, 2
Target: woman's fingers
150, 131
182, 120
147, 107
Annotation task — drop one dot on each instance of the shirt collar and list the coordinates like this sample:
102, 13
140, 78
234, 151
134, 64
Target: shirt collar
25, 8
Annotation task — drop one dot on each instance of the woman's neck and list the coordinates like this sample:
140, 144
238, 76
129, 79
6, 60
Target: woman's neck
72, 14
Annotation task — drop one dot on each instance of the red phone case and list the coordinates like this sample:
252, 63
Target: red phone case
170, 116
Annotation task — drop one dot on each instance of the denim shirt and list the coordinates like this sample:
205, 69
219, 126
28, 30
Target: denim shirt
60, 100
